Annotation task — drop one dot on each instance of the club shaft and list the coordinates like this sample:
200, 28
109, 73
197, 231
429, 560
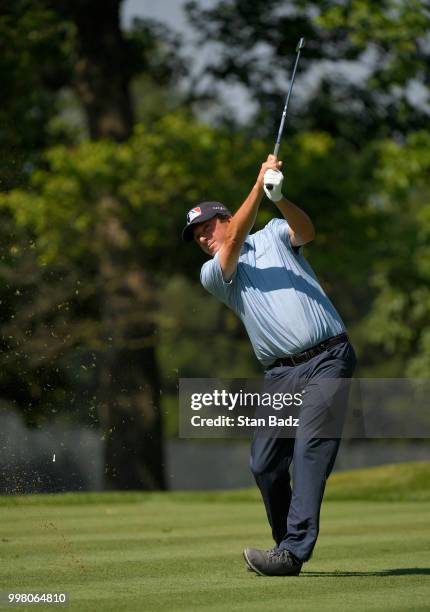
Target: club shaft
284, 113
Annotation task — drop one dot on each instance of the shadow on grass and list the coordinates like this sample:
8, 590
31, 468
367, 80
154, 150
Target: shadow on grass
404, 571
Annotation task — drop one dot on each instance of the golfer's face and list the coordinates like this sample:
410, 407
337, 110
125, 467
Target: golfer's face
209, 235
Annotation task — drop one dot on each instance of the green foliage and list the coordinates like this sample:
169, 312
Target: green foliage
399, 320
157, 175
401, 48
53, 329
358, 64
35, 50
359, 165
163, 170
368, 189
38, 54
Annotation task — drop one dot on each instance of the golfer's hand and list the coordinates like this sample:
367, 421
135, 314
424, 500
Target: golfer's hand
274, 178
271, 163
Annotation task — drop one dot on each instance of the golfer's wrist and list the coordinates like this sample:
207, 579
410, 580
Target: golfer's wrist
259, 188
283, 201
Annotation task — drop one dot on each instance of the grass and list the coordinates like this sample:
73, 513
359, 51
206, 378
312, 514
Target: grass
182, 551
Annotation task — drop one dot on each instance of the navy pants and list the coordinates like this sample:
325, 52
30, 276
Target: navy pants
294, 510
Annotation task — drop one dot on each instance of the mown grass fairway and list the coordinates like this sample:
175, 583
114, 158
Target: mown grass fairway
182, 551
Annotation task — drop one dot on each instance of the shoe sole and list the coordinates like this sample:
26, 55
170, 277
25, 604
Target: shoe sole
252, 568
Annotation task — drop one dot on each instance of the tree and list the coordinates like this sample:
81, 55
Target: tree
359, 63
80, 45
64, 341
399, 323
365, 73
35, 46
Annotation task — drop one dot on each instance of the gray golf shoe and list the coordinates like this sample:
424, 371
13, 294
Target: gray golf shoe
272, 562
249, 567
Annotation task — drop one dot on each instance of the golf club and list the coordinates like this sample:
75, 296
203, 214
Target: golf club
299, 47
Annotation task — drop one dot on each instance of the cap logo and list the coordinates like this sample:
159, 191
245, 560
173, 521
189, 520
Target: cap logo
193, 214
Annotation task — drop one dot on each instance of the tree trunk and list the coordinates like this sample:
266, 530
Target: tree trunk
129, 393
101, 70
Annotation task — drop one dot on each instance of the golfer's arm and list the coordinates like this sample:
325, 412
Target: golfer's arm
239, 227
302, 229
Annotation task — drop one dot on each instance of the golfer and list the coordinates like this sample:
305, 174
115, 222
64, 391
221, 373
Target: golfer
297, 335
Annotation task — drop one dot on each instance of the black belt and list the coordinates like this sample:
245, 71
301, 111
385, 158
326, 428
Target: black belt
309, 353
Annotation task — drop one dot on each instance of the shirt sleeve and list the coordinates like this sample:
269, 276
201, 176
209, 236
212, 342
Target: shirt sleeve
212, 280
280, 228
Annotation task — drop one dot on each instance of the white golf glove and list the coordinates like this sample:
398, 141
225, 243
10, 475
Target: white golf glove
274, 178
